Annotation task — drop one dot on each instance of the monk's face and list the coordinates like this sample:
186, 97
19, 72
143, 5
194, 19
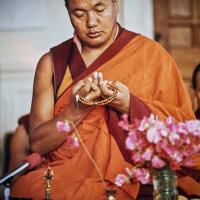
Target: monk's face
94, 21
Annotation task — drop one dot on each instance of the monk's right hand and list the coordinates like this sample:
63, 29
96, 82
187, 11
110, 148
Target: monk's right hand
87, 89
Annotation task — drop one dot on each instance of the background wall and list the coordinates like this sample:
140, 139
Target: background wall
28, 28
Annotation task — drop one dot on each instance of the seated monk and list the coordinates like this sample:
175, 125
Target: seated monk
100, 59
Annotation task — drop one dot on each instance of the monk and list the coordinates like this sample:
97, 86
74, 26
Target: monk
103, 62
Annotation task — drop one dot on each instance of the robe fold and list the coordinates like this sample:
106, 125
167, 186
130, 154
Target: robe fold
156, 87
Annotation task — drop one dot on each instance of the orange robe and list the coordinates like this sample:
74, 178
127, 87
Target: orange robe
151, 76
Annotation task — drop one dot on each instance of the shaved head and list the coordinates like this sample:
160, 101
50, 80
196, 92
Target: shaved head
67, 3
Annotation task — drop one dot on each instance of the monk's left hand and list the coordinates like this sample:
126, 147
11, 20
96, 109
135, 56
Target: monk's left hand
122, 101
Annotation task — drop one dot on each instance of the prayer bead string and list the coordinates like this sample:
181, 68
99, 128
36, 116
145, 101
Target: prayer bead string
102, 102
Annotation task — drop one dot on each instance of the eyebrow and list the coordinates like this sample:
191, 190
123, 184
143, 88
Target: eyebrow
95, 5
99, 4
77, 9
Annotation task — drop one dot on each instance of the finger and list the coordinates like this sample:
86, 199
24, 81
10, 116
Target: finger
100, 78
78, 86
87, 87
117, 85
105, 90
95, 78
94, 87
93, 95
114, 84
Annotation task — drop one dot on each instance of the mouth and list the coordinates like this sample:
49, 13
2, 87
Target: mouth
94, 34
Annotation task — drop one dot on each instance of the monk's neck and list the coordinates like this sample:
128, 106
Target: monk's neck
90, 55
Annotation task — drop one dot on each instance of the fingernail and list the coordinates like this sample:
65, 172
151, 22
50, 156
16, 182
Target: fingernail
110, 82
90, 79
101, 82
104, 83
94, 86
96, 75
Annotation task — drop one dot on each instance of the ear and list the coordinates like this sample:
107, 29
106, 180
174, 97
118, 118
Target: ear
116, 4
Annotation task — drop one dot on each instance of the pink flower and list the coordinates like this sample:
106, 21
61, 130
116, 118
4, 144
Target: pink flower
170, 121
177, 156
129, 143
120, 179
153, 136
157, 162
173, 137
193, 126
188, 163
164, 132
136, 157
73, 142
147, 155
143, 125
63, 126
142, 175
124, 124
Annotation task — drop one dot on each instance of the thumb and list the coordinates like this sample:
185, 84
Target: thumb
78, 86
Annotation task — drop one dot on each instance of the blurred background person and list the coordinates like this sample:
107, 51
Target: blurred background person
19, 146
196, 88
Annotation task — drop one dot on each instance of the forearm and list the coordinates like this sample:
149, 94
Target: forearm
46, 138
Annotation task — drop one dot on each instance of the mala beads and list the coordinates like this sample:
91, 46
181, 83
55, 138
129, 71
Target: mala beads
102, 102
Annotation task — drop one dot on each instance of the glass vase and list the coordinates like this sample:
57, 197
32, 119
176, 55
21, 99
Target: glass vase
165, 184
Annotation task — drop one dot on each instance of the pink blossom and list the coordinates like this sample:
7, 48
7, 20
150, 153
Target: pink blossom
120, 179
188, 163
142, 175
147, 155
75, 143
157, 162
164, 132
177, 156
153, 136
130, 144
136, 157
173, 137
143, 125
193, 126
169, 121
72, 141
124, 124
63, 126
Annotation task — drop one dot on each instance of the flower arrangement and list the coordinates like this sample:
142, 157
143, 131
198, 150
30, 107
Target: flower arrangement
156, 144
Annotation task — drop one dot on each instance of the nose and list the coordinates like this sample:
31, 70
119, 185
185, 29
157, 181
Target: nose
92, 20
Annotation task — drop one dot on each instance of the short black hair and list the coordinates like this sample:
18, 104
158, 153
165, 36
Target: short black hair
66, 3
194, 76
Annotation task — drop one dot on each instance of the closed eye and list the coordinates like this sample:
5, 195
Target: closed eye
99, 8
79, 13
